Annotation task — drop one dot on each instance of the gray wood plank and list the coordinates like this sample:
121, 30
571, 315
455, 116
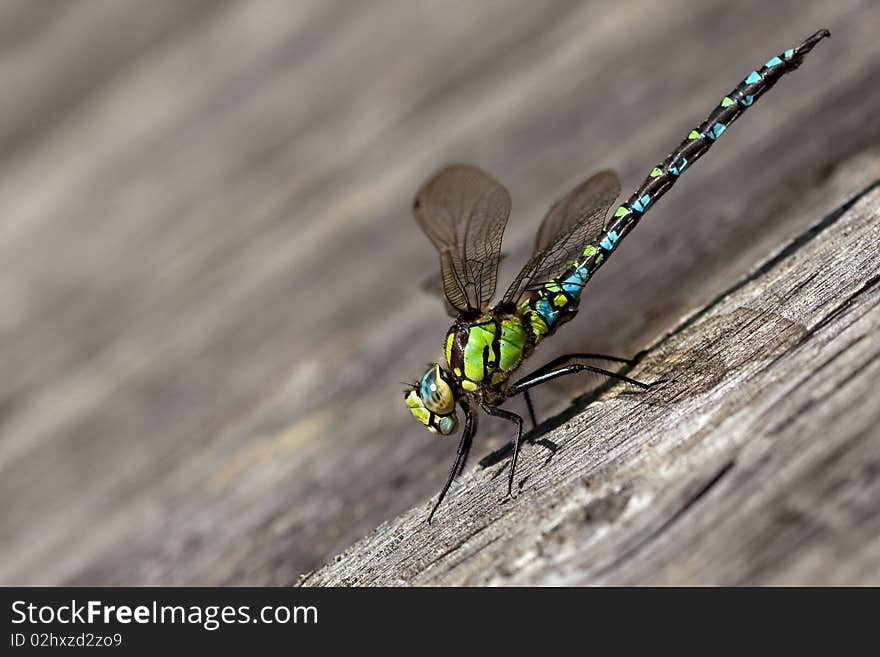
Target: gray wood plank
209, 275
756, 463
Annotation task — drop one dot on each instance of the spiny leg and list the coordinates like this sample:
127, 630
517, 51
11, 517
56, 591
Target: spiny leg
556, 362
517, 420
464, 446
539, 377
564, 359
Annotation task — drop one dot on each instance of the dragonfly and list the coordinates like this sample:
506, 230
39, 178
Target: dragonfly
464, 211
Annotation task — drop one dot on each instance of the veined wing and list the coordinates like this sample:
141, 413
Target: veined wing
463, 211
571, 223
433, 285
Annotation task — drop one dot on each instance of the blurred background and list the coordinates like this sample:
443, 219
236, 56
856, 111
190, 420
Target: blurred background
210, 277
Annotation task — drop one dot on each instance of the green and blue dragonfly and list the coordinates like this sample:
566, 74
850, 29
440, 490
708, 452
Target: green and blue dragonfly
464, 211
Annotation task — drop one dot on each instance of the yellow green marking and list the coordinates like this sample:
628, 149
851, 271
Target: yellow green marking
480, 338
539, 326
414, 403
513, 342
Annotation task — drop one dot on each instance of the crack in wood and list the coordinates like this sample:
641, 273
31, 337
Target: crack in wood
690, 501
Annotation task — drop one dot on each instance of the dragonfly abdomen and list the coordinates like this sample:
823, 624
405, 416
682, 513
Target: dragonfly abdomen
701, 138
486, 350
544, 309
556, 302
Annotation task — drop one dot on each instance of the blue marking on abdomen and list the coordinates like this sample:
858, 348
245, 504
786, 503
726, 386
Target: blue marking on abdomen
642, 203
574, 284
753, 78
775, 61
678, 167
609, 240
547, 311
716, 130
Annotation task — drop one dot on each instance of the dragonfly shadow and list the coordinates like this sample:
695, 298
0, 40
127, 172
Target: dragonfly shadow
532, 438
535, 435
675, 373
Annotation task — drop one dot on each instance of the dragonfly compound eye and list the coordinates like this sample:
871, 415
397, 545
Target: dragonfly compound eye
435, 391
442, 424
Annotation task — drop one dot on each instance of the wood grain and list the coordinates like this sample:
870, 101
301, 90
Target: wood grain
209, 275
756, 463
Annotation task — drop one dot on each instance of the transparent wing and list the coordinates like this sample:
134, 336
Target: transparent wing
573, 222
463, 211
433, 285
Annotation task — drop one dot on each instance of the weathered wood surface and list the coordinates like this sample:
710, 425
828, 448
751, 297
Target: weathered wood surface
209, 274
758, 462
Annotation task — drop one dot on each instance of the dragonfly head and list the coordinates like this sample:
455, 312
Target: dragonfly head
432, 401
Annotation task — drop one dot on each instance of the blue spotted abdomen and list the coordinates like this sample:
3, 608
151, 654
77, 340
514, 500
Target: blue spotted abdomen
700, 140
556, 302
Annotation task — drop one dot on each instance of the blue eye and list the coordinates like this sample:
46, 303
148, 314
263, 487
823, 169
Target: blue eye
435, 392
428, 385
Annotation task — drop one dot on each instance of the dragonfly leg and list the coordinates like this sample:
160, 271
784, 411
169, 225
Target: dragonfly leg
531, 408
539, 377
561, 360
517, 420
464, 446
556, 362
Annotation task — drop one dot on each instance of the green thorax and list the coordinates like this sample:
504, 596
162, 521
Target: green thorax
486, 350
483, 351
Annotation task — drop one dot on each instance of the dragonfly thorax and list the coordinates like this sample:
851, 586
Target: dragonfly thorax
483, 352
